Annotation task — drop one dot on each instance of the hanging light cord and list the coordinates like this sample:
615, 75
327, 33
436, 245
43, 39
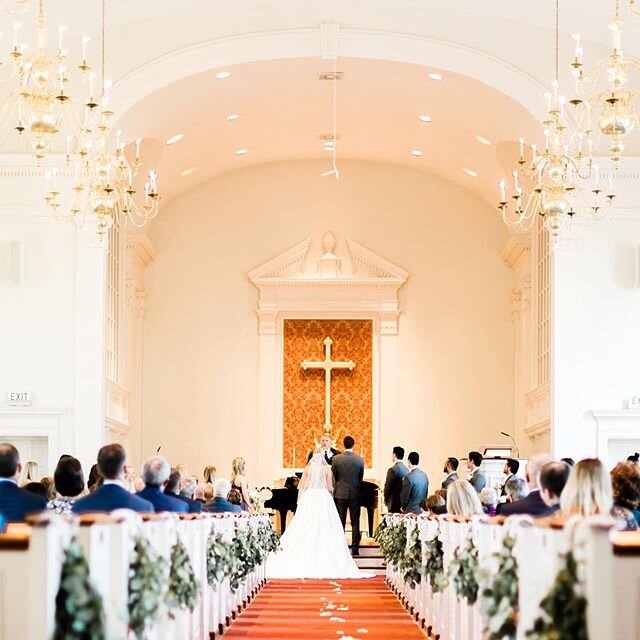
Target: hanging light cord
557, 40
102, 45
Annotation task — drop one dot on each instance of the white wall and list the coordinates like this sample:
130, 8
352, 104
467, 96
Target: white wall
455, 345
596, 342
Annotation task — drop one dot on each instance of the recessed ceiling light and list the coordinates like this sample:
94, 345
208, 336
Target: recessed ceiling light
424, 118
241, 152
416, 152
435, 76
470, 172
188, 172
233, 116
176, 138
483, 140
222, 75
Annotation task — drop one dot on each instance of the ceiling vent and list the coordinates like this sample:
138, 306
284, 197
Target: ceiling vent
330, 75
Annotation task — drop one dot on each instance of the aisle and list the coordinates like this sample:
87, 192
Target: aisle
323, 609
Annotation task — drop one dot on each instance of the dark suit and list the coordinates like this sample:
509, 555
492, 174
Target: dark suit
16, 503
161, 501
194, 505
110, 497
327, 457
415, 487
478, 480
450, 479
393, 486
221, 505
532, 505
348, 472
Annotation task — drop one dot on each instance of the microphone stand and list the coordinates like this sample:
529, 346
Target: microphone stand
514, 443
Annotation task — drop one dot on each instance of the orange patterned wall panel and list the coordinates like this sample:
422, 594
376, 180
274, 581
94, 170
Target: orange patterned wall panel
304, 391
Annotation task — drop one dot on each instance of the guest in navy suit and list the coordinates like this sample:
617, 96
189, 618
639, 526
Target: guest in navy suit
533, 504
187, 491
155, 473
112, 494
15, 503
220, 504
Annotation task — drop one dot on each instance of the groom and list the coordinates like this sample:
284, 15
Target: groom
348, 471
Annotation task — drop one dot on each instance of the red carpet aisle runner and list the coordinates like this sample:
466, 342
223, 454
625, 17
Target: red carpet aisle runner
326, 610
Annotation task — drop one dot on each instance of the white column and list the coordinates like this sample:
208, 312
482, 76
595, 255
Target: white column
89, 344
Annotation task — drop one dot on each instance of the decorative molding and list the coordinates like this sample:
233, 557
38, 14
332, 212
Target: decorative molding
378, 266
538, 411
278, 267
615, 424
517, 248
142, 248
538, 429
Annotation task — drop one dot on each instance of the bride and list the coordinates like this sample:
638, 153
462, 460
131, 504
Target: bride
313, 545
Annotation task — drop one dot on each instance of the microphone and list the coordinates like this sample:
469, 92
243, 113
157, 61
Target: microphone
158, 449
514, 442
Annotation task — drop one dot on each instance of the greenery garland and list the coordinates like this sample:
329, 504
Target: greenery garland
411, 564
246, 553
79, 610
393, 542
564, 608
499, 595
220, 559
268, 538
184, 588
147, 586
434, 566
463, 570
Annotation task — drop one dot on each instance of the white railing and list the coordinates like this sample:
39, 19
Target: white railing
610, 564
31, 559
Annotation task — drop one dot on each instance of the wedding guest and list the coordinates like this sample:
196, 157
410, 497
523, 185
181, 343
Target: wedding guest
112, 494
588, 490
476, 476
220, 504
155, 473
532, 504
29, 473
625, 483
510, 470
415, 486
434, 504
635, 458
326, 449
570, 461
463, 500
516, 489
208, 492
553, 479
172, 487
95, 479
37, 488
209, 474
49, 486
15, 503
186, 493
489, 500
393, 481
234, 497
69, 483
451, 469
239, 481
199, 496
138, 484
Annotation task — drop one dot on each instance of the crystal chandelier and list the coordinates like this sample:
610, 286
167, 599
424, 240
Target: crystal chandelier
39, 107
550, 183
606, 95
104, 182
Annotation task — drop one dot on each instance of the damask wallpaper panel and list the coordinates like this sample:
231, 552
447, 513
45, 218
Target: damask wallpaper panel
304, 391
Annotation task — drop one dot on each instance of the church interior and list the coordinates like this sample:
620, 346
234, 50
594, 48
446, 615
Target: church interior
238, 239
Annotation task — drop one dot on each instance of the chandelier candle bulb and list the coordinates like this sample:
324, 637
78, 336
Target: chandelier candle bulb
16, 27
61, 30
503, 194
521, 141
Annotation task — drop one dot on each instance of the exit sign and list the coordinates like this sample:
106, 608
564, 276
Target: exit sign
19, 398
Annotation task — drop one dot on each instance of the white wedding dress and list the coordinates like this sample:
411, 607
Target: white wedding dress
313, 545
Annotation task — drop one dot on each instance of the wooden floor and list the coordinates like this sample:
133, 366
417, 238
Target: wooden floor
322, 609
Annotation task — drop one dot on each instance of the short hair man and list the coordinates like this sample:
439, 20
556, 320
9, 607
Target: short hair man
533, 504
451, 469
393, 482
415, 486
112, 494
220, 504
155, 473
516, 489
187, 489
326, 448
15, 503
553, 478
476, 476
510, 470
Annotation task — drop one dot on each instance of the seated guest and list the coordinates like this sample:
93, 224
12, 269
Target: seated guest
15, 503
476, 477
489, 501
199, 495
451, 469
434, 504
463, 500
138, 484
49, 486
588, 490
111, 495
155, 473
635, 458
533, 504
516, 489
235, 497
570, 461
220, 504
415, 486
393, 482
69, 482
625, 482
187, 490
510, 470
172, 486
37, 488
95, 479
553, 478
29, 473
208, 492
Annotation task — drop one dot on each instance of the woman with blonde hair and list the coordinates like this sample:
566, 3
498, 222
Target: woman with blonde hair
588, 490
239, 481
30, 473
463, 500
209, 474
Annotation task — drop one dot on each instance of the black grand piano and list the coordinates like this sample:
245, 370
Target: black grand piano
286, 499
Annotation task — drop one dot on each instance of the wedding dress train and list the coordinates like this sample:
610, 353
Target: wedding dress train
313, 544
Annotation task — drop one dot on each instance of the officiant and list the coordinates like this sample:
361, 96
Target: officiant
326, 448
